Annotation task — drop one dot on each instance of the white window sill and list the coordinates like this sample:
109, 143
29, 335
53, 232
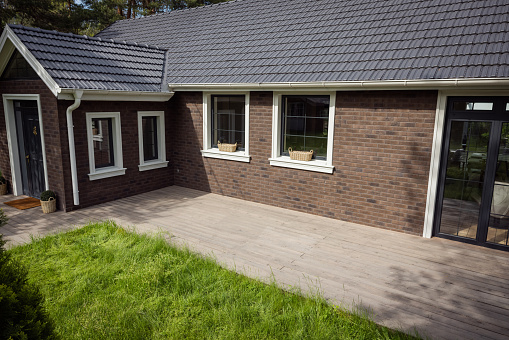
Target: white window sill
239, 156
106, 172
154, 164
312, 165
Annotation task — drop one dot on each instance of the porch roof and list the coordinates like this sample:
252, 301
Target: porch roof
82, 62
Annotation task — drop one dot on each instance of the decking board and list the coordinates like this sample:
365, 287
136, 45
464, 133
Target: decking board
444, 289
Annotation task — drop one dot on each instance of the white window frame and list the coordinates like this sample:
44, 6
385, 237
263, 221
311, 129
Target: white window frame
118, 168
161, 161
208, 150
277, 159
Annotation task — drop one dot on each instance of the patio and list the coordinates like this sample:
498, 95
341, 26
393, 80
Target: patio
444, 289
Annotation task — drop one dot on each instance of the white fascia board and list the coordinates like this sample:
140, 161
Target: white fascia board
101, 95
418, 84
9, 35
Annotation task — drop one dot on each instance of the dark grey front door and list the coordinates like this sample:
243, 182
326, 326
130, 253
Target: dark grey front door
30, 147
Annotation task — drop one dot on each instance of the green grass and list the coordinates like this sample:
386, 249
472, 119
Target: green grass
102, 282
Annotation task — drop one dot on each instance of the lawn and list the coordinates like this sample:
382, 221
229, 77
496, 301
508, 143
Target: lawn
101, 281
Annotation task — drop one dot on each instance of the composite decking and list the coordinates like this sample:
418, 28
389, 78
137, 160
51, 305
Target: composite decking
442, 288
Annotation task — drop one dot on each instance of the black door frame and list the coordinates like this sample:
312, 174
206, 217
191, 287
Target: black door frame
497, 116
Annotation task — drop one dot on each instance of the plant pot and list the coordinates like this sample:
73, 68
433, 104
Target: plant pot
49, 206
3, 189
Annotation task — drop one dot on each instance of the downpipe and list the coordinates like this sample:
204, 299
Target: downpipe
72, 152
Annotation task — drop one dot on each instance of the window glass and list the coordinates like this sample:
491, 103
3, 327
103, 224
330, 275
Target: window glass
149, 127
305, 123
472, 106
103, 142
228, 120
18, 68
507, 107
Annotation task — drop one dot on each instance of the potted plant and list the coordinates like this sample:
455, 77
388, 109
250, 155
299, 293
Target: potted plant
48, 201
3, 185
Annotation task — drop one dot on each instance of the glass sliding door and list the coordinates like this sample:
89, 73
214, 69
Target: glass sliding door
473, 193
464, 181
499, 213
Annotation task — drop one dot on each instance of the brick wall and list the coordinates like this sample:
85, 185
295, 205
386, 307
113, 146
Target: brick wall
134, 181
52, 138
382, 149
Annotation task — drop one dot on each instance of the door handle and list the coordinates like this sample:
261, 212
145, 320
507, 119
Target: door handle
27, 158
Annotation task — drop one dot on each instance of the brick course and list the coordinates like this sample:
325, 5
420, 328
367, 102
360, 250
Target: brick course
134, 181
382, 150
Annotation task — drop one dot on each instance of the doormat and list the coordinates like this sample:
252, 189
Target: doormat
24, 203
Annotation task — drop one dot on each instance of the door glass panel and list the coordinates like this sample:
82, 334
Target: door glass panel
498, 227
466, 166
472, 106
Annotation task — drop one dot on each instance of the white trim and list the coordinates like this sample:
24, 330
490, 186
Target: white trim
101, 95
313, 165
282, 161
434, 165
12, 139
436, 150
118, 168
150, 165
208, 150
160, 162
239, 156
421, 84
8, 34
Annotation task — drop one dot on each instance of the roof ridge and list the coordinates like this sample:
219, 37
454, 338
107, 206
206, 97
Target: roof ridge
86, 37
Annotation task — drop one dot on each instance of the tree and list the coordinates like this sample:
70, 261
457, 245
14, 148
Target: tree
85, 16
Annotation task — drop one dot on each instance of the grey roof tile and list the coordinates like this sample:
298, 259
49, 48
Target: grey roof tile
270, 41
90, 63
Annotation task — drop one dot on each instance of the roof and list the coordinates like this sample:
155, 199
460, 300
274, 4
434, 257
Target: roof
81, 62
258, 41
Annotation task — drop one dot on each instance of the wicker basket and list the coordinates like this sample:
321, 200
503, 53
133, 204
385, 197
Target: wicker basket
300, 155
3, 189
226, 147
49, 206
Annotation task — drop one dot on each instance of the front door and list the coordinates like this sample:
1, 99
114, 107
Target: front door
30, 147
473, 204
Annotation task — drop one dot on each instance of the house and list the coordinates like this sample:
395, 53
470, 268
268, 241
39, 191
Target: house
404, 104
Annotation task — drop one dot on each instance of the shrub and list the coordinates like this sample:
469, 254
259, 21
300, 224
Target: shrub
46, 195
22, 315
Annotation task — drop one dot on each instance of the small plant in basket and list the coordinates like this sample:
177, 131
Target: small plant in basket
48, 201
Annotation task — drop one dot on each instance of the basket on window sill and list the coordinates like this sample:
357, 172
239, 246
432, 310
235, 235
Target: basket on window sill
300, 155
226, 147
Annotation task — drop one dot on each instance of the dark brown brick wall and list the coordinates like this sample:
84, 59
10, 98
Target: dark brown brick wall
52, 138
134, 181
382, 150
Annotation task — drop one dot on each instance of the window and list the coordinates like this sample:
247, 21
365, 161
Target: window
226, 120
18, 68
104, 145
303, 122
151, 133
